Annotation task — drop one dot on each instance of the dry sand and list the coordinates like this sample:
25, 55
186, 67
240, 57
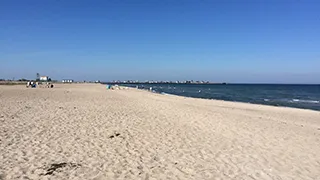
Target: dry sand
88, 132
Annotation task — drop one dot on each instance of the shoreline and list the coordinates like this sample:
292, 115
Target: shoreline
232, 105
221, 100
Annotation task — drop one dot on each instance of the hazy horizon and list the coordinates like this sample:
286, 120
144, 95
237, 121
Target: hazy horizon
233, 42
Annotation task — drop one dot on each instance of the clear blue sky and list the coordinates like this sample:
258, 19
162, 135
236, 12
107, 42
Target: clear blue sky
269, 41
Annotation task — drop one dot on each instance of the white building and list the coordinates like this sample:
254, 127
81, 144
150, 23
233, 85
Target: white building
44, 78
67, 81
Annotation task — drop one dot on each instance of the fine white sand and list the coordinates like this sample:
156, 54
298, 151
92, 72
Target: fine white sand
88, 132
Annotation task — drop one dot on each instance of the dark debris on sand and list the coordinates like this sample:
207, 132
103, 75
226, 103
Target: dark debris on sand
55, 167
115, 135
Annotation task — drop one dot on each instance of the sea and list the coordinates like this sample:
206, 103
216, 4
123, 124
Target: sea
297, 96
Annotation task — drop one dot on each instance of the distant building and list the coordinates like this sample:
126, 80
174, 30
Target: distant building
44, 78
67, 80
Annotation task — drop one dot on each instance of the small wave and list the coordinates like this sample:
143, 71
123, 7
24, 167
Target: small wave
305, 101
266, 100
163, 93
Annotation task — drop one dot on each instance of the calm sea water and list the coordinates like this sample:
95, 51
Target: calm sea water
298, 96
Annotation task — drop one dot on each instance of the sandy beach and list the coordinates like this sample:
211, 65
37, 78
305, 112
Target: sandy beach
83, 131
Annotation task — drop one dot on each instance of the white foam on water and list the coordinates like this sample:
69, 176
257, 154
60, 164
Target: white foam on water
163, 93
305, 101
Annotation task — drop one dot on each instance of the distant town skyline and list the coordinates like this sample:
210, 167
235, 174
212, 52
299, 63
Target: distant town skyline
232, 41
109, 79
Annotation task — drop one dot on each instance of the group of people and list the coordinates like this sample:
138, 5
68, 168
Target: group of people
31, 84
36, 84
